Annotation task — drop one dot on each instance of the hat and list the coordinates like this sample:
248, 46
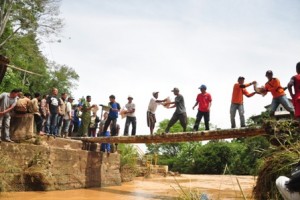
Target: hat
112, 96
71, 98
269, 72
175, 90
203, 87
130, 97
153, 93
241, 78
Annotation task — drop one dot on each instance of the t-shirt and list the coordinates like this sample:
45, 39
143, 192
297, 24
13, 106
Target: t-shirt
179, 102
6, 102
35, 106
114, 114
23, 105
130, 106
152, 105
204, 101
68, 111
238, 92
275, 88
62, 107
53, 102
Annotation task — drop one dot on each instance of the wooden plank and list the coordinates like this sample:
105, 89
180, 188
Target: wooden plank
178, 137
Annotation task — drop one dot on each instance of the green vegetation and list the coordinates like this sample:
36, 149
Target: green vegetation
278, 160
27, 23
128, 166
242, 156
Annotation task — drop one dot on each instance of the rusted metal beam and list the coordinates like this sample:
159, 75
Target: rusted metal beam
178, 137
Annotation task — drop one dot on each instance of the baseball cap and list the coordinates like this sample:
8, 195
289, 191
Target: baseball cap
155, 92
241, 77
203, 87
112, 96
269, 72
175, 89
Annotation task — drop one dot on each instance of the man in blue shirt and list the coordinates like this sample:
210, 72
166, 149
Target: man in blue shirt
112, 115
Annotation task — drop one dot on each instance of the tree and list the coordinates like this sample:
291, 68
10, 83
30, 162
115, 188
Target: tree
62, 77
29, 16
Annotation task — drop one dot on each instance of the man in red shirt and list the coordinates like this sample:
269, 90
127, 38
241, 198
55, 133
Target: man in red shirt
295, 82
204, 102
279, 97
237, 102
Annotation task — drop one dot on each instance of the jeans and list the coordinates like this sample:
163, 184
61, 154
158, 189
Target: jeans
53, 124
6, 119
105, 147
65, 128
130, 120
240, 108
198, 120
38, 123
283, 100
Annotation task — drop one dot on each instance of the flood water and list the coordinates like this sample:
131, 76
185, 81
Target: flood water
215, 186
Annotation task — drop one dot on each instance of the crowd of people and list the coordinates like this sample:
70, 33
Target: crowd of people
58, 116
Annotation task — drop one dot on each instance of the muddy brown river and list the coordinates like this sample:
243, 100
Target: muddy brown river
216, 187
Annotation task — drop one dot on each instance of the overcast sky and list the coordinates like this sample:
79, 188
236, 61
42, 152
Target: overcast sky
135, 47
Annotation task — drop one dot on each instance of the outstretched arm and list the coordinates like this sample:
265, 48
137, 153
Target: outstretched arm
290, 85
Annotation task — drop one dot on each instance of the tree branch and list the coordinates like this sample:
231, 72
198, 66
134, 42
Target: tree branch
9, 37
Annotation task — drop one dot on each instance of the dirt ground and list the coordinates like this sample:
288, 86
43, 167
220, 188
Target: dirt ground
216, 187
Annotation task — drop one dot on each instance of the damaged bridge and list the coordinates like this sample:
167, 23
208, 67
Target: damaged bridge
178, 137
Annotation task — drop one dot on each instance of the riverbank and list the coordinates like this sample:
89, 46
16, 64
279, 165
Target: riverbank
223, 187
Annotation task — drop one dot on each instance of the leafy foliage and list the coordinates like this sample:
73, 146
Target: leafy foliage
26, 22
242, 156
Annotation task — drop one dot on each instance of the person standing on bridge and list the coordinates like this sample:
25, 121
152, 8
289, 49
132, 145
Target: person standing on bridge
112, 115
237, 102
279, 97
151, 119
295, 82
180, 112
130, 117
204, 102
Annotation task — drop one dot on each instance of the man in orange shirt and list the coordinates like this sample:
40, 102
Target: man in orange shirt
239, 89
279, 97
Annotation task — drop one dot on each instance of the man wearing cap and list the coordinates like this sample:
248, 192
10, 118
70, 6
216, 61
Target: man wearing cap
180, 112
67, 118
204, 101
279, 97
295, 82
237, 102
151, 119
130, 117
112, 116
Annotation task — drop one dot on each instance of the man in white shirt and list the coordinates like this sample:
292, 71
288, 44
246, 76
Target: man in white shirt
151, 119
67, 117
7, 102
130, 117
